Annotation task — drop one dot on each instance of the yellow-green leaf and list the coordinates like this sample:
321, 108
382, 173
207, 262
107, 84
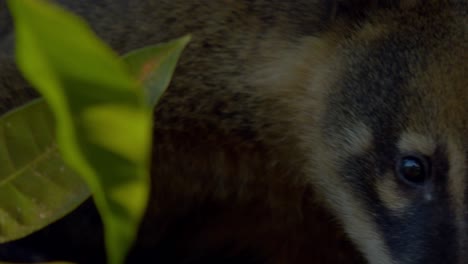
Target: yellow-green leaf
89, 89
36, 186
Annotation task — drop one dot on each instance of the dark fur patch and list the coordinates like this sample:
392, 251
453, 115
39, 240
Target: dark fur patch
376, 91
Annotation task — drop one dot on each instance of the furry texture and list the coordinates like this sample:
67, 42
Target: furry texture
284, 123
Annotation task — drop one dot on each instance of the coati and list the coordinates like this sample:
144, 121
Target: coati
287, 121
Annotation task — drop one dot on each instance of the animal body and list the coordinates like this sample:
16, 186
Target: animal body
289, 121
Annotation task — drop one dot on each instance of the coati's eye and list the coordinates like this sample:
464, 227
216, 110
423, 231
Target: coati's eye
413, 169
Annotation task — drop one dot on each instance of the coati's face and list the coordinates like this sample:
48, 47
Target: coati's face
394, 136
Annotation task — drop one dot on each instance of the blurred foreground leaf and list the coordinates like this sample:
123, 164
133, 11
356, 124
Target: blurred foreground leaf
103, 121
30, 161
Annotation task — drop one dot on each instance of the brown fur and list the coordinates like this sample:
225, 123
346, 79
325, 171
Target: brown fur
269, 106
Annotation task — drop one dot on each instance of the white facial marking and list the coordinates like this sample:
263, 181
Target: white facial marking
358, 222
414, 142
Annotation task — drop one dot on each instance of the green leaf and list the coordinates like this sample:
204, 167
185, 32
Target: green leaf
29, 140
36, 187
154, 65
103, 121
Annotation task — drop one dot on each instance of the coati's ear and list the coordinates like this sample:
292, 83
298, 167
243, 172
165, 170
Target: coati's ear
338, 8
